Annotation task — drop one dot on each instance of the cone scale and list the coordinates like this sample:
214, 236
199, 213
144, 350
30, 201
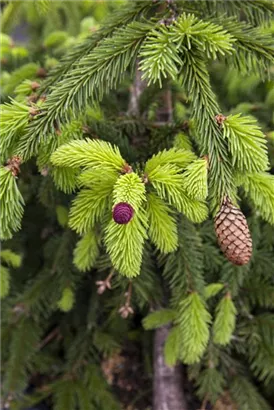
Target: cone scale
122, 213
233, 233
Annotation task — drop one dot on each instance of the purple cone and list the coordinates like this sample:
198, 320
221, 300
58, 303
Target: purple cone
122, 213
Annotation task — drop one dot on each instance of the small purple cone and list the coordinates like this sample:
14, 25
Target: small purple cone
122, 213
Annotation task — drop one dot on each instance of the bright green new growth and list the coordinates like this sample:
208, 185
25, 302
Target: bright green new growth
5, 281
195, 179
105, 184
67, 300
12, 204
65, 178
14, 117
193, 321
162, 229
159, 318
225, 320
172, 347
86, 251
129, 188
11, 258
212, 290
246, 143
125, 244
89, 207
179, 157
168, 182
259, 187
88, 153
161, 51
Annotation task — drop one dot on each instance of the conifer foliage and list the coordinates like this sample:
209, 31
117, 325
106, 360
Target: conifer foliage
107, 211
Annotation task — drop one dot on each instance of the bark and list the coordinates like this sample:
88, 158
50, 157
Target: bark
164, 112
168, 384
136, 91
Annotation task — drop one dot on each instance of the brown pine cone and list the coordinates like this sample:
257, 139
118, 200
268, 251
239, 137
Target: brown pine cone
233, 233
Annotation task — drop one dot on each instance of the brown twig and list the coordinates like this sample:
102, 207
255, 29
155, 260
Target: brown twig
54, 333
104, 284
13, 164
204, 402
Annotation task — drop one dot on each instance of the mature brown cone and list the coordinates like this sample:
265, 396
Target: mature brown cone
233, 233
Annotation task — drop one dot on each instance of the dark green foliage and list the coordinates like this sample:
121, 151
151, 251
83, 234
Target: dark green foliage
78, 288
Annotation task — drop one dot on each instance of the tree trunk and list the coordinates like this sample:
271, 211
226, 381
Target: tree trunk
167, 381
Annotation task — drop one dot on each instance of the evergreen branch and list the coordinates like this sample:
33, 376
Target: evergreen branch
120, 17
260, 188
94, 75
224, 323
161, 50
25, 338
125, 244
188, 32
193, 320
65, 178
67, 300
14, 118
259, 335
172, 346
204, 108
245, 394
86, 252
28, 71
4, 281
195, 179
260, 293
89, 207
129, 188
158, 318
11, 258
168, 183
88, 153
255, 51
175, 156
257, 12
162, 229
183, 269
212, 290
210, 383
246, 143
64, 395
12, 204
159, 56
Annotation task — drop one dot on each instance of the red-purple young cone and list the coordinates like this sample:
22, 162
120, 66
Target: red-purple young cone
122, 213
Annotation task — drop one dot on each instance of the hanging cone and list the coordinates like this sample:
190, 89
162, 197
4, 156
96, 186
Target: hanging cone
233, 233
122, 213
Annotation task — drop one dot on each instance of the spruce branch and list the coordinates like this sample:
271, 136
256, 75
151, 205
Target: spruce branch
88, 153
105, 70
193, 320
225, 320
121, 17
12, 202
125, 244
86, 251
246, 143
259, 187
162, 225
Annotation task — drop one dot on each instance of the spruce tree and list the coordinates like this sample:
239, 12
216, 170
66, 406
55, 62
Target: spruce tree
137, 194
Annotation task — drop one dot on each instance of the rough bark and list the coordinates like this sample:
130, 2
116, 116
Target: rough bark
168, 391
